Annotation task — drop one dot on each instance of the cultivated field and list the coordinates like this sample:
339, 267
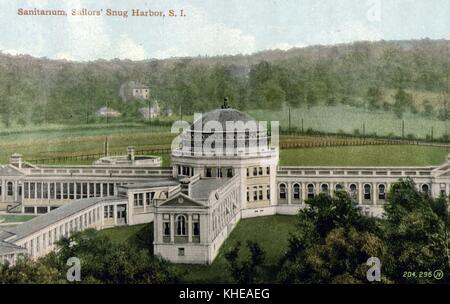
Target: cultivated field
347, 119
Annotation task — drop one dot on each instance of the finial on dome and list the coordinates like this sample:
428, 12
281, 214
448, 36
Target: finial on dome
225, 103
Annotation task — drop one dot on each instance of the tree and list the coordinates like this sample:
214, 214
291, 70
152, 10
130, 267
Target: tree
417, 234
332, 242
26, 271
245, 270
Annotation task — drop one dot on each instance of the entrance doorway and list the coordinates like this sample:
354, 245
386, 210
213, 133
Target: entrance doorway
121, 214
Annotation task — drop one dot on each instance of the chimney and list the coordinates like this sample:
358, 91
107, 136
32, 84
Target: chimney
130, 153
16, 160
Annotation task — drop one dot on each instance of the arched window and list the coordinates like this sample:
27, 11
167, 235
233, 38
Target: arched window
382, 192
310, 191
353, 191
367, 192
282, 191
296, 190
425, 188
324, 188
9, 187
339, 187
181, 225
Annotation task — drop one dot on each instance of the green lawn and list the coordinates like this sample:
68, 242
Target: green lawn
389, 155
11, 218
271, 232
347, 119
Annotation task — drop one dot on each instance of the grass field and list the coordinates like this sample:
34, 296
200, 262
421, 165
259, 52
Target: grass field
343, 118
11, 218
59, 141
271, 232
401, 155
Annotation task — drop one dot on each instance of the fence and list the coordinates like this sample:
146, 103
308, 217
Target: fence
93, 156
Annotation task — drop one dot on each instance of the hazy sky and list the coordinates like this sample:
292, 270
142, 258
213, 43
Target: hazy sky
214, 27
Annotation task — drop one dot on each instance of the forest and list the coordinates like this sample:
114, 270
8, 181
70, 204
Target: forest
395, 76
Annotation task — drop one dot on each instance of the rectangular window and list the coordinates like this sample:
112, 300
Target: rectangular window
255, 193
260, 171
85, 190
45, 191
58, 191
65, 190
105, 189
27, 190
166, 228
52, 190
32, 190
39, 191
71, 191
111, 189
255, 171
260, 193
97, 190
91, 189
268, 170
180, 251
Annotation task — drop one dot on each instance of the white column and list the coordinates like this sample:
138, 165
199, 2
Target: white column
374, 193
189, 228
172, 229
115, 214
289, 194
360, 193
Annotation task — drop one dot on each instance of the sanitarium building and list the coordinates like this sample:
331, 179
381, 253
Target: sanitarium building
194, 204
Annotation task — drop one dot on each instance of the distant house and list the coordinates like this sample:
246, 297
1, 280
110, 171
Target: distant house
107, 112
151, 111
134, 89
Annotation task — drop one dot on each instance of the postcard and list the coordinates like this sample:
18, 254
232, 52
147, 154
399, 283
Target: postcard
255, 145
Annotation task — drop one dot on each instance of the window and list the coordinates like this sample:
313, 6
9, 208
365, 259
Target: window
180, 251
310, 191
268, 192
58, 191
248, 194
138, 199
248, 172
260, 193
65, 191
255, 193
166, 228
9, 187
111, 189
32, 190
381, 192
425, 189
255, 171
268, 170
229, 172
149, 197
208, 172
282, 191
181, 225
324, 188
296, 191
195, 225
339, 187
260, 171
71, 191
26, 192
367, 193
353, 190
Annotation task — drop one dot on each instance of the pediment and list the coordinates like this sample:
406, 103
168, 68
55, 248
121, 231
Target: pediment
181, 200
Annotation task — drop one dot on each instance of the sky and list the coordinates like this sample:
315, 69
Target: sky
212, 27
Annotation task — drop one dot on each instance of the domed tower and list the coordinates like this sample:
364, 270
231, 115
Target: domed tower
224, 143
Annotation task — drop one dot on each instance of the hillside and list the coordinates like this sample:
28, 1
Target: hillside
398, 76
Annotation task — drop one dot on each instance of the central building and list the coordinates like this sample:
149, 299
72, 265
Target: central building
226, 166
